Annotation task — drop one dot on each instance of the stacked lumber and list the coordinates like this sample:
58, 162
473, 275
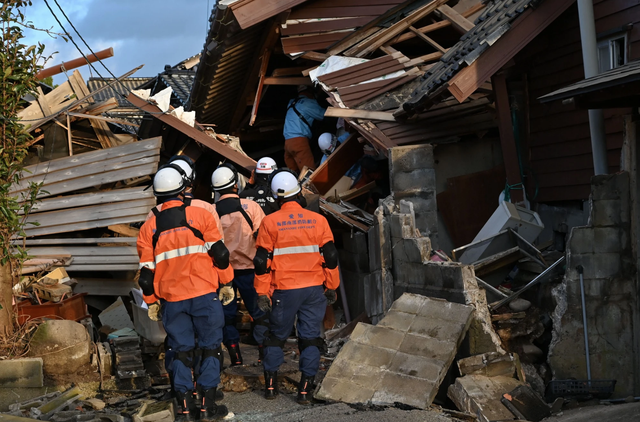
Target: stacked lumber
89, 191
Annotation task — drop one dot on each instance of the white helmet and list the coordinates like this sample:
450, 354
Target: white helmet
168, 181
327, 143
266, 165
224, 177
186, 164
284, 184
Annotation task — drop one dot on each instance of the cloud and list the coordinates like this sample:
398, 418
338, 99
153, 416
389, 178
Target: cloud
149, 32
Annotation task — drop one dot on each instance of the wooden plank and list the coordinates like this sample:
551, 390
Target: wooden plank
428, 40
387, 34
261, 76
54, 99
249, 13
74, 227
88, 169
102, 118
337, 164
70, 145
344, 218
394, 82
242, 162
93, 157
371, 11
291, 80
42, 102
438, 25
93, 198
300, 44
125, 229
84, 250
78, 241
104, 286
359, 114
315, 56
366, 65
103, 267
507, 138
458, 21
354, 193
324, 26
99, 179
523, 30
93, 212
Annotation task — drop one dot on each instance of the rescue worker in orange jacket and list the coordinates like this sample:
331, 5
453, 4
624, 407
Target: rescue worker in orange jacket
179, 249
296, 255
240, 219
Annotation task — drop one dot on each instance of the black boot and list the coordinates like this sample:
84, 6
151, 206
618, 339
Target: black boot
270, 384
200, 396
210, 411
260, 353
304, 389
187, 409
234, 354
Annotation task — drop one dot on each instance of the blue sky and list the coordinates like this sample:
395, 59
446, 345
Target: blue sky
149, 32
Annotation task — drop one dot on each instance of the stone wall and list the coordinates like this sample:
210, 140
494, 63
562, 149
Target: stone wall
603, 248
413, 178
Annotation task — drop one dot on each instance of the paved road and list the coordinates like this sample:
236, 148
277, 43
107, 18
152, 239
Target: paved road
628, 412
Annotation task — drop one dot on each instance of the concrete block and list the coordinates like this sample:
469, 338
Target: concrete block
488, 364
402, 226
354, 287
407, 158
456, 296
416, 250
25, 372
355, 242
377, 336
606, 240
416, 180
399, 388
373, 294
610, 186
356, 262
395, 359
409, 273
582, 240
341, 389
602, 265
607, 213
480, 395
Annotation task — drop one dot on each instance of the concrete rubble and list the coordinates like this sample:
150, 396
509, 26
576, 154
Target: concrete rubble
402, 359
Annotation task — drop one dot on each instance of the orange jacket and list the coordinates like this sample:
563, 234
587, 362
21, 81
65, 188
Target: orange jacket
295, 235
238, 234
182, 266
224, 276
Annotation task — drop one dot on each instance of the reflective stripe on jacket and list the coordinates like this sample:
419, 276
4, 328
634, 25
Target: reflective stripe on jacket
182, 266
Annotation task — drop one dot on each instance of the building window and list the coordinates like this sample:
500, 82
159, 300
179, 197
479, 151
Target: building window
612, 52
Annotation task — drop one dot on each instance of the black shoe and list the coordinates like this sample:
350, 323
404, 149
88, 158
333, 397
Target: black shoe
260, 353
210, 411
234, 354
200, 396
304, 389
187, 409
270, 385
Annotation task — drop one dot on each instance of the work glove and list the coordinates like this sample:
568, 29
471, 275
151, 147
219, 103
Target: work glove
155, 311
264, 303
226, 295
331, 296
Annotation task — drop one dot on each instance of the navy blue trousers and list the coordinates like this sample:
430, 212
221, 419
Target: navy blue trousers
182, 320
243, 282
309, 305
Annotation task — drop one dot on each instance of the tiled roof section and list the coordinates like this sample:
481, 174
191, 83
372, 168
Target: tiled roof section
181, 83
223, 68
119, 90
493, 22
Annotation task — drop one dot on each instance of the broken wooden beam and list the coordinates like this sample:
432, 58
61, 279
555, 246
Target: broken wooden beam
349, 113
337, 164
458, 21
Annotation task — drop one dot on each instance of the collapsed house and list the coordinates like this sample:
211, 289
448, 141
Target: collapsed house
445, 97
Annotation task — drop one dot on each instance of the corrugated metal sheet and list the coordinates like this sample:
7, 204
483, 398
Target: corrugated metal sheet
223, 68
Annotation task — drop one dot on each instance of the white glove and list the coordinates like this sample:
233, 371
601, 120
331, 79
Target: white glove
226, 295
155, 311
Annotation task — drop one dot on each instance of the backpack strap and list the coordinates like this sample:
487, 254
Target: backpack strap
231, 205
173, 218
293, 106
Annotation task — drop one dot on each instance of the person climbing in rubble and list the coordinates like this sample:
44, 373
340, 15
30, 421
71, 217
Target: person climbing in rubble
181, 254
301, 113
297, 257
328, 142
259, 191
240, 219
